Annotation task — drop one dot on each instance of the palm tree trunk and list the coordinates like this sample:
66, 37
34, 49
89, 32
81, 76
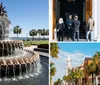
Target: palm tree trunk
17, 35
92, 80
44, 37
33, 38
76, 81
80, 81
96, 80
39, 37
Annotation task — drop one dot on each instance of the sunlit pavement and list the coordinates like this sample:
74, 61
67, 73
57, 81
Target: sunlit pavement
66, 40
31, 48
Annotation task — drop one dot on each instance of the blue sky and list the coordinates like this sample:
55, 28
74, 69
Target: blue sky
86, 48
77, 52
28, 14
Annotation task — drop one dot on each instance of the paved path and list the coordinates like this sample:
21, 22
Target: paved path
31, 48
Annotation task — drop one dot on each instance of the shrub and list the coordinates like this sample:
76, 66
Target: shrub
44, 46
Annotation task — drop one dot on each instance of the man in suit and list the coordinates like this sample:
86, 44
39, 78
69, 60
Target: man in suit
69, 26
89, 29
75, 27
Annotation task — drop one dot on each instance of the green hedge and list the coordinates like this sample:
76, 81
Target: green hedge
35, 42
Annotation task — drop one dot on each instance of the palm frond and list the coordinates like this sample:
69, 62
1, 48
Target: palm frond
2, 9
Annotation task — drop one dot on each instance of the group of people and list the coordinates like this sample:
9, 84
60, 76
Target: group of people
73, 26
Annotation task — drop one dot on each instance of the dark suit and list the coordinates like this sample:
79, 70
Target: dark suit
69, 25
75, 27
60, 28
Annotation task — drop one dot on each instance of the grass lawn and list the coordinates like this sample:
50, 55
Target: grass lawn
35, 42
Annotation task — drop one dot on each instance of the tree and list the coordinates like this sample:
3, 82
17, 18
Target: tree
39, 31
43, 33
33, 32
67, 78
53, 47
93, 68
54, 50
47, 32
52, 70
76, 75
99, 67
3, 12
58, 82
17, 30
96, 61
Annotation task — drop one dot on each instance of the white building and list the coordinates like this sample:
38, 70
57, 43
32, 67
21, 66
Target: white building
69, 65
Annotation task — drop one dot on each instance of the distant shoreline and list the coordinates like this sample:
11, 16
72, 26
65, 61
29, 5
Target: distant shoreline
30, 38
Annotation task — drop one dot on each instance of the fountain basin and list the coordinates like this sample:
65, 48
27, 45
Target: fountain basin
7, 47
10, 67
14, 60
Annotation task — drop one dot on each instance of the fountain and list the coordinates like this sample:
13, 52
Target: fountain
15, 61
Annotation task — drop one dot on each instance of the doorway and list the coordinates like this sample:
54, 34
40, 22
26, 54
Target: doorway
73, 7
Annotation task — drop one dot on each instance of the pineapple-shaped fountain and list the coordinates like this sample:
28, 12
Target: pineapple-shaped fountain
14, 60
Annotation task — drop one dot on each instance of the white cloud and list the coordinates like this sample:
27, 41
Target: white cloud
77, 59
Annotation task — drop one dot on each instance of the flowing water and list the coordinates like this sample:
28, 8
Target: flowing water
40, 79
35, 73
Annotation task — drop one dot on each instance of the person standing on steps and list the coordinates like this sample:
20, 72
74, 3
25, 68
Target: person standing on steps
75, 27
89, 29
60, 29
69, 26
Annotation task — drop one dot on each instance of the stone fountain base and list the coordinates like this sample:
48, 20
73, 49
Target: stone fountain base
7, 47
14, 60
11, 67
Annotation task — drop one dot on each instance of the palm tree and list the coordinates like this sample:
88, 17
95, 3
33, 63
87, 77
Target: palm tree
54, 53
39, 31
99, 67
81, 75
67, 78
43, 33
54, 50
52, 71
91, 70
3, 12
17, 30
76, 75
58, 82
33, 32
47, 32
96, 60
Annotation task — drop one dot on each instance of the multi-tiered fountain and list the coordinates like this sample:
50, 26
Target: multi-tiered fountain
15, 62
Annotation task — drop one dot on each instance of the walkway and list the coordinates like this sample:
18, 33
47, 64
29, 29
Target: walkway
31, 48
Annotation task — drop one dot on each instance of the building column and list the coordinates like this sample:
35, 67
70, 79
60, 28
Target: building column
96, 18
54, 17
50, 19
